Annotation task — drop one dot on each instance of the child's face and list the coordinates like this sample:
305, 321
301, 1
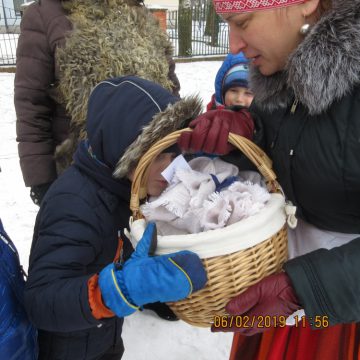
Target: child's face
238, 96
156, 183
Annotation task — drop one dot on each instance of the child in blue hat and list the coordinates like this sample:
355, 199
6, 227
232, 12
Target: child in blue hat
232, 93
231, 84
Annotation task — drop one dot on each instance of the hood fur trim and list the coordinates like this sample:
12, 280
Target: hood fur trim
174, 117
324, 67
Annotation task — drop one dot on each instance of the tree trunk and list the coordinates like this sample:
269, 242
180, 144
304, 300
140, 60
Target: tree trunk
212, 24
185, 27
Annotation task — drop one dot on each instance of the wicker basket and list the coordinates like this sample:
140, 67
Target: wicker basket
236, 267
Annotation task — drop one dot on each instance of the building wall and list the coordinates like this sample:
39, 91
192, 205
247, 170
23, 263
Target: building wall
167, 4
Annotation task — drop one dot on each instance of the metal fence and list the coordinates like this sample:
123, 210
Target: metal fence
9, 34
204, 40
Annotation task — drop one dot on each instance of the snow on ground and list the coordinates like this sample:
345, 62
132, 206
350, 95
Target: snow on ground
145, 335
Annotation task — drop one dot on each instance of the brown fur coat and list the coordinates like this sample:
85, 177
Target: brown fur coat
110, 38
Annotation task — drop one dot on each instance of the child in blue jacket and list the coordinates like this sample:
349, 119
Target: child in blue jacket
17, 334
83, 278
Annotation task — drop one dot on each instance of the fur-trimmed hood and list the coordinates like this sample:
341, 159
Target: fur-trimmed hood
324, 67
127, 115
109, 39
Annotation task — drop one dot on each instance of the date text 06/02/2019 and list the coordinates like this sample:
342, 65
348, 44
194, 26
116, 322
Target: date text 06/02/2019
267, 321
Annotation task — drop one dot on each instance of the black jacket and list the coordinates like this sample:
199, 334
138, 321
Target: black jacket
76, 231
311, 117
75, 237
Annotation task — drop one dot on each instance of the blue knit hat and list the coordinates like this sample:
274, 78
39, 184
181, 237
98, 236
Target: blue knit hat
233, 72
236, 76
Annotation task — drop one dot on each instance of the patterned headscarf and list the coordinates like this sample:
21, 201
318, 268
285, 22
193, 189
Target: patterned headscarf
240, 6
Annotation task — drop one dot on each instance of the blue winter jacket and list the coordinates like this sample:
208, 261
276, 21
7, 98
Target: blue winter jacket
18, 337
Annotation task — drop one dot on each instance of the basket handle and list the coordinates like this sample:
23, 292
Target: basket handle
256, 155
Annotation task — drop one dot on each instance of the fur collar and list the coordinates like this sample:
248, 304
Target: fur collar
324, 67
174, 117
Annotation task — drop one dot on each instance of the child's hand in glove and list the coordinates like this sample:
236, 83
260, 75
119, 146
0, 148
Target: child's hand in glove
146, 279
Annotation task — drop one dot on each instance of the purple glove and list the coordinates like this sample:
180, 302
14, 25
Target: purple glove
273, 297
211, 131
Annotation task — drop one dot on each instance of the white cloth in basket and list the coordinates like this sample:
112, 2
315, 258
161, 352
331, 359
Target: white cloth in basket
191, 203
239, 236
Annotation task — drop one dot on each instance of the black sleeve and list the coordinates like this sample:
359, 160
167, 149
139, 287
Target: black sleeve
66, 241
327, 282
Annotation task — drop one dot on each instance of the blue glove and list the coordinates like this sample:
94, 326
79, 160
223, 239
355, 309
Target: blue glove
144, 279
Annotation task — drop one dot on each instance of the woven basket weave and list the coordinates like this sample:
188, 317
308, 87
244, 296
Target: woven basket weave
229, 274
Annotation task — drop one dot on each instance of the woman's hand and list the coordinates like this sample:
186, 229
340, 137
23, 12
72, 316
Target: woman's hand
272, 297
211, 130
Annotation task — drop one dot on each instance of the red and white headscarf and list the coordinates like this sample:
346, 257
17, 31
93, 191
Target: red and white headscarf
240, 6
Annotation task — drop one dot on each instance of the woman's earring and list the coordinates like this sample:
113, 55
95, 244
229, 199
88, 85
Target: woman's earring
304, 29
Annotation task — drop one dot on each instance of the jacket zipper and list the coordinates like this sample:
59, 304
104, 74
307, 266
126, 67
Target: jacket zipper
293, 147
294, 106
292, 111
318, 291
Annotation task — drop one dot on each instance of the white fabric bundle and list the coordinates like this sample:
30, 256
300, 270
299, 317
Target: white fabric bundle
191, 205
